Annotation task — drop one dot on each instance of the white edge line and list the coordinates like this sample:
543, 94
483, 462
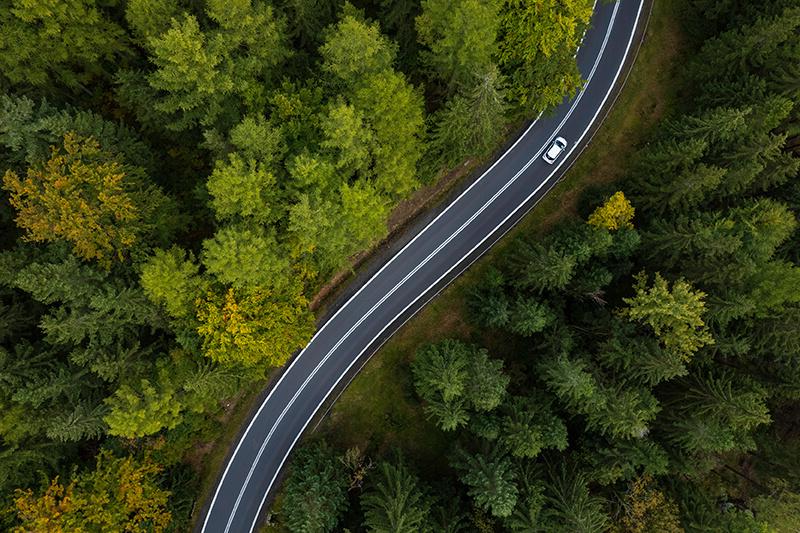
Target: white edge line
408, 276
594, 117
452, 204
329, 320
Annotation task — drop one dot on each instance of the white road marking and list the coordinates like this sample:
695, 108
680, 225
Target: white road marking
406, 278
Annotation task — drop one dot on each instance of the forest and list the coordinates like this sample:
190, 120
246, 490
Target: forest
637, 368
181, 178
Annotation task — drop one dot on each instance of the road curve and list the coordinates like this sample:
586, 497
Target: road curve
435, 256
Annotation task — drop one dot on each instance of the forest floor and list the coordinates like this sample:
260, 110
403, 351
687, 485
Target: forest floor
379, 411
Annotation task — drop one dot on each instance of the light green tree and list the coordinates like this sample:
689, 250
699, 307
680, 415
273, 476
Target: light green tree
461, 38
243, 188
171, 279
47, 43
146, 409
245, 256
674, 314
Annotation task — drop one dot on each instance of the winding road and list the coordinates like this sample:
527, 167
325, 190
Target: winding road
443, 249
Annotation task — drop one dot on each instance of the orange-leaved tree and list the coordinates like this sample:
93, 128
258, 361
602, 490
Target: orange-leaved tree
120, 494
82, 195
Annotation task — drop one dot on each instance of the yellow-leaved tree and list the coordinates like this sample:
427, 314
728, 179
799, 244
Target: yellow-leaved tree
617, 212
120, 494
253, 326
85, 196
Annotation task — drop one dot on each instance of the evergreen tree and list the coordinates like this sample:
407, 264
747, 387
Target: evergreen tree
570, 506
468, 124
396, 503
491, 481
315, 490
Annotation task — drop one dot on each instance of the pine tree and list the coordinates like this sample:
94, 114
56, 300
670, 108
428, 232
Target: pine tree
570, 506
527, 426
486, 385
491, 481
315, 490
395, 503
441, 369
467, 125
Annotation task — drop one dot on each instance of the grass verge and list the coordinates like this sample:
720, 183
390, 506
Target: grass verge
379, 411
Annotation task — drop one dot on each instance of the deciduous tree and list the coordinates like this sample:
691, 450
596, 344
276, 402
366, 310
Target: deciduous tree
84, 196
253, 326
120, 494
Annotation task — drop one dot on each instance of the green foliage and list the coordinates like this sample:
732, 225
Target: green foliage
359, 61
571, 507
395, 502
461, 37
148, 19
172, 280
528, 425
490, 479
712, 414
452, 377
240, 188
246, 257
315, 490
467, 125
536, 42
675, 315
144, 410
206, 77
354, 50
46, 44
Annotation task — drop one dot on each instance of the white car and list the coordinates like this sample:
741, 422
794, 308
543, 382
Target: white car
555, 150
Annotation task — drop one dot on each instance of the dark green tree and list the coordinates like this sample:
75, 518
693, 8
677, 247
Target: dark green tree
315, 490
396, 502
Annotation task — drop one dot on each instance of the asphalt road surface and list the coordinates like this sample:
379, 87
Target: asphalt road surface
435, 256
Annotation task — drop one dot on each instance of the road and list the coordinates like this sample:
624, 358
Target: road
435, 256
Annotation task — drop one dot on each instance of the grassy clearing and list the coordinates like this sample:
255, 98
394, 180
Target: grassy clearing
378, 410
